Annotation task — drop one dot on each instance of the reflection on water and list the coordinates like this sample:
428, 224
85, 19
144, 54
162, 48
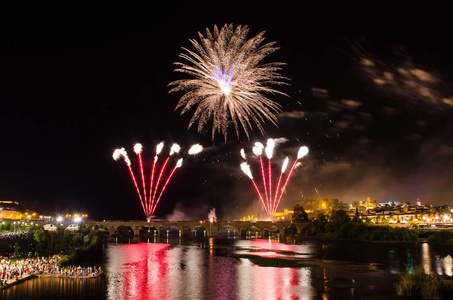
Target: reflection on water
273, 283
426, 258
205, 270
163, 271
447, 265
273, 248
57, 288
439, 263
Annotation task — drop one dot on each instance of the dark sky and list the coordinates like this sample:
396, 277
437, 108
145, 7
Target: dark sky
370, 95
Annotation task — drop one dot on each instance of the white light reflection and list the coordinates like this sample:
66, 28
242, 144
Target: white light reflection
194, 262
426, 258
176, 282
448, 265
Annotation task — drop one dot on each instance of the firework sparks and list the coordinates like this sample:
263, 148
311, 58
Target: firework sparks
149, 200
271, 201
258, 149
122, 152
243, 153
175, 148
159, 148
229, 80
195, 149
138, 148
270, 148
246, 169
302, 152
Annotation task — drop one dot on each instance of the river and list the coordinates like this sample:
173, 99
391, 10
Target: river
221, 269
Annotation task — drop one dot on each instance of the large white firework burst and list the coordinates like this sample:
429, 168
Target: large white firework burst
228, 80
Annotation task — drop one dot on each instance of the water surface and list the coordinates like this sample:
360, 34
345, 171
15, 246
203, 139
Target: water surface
221, 269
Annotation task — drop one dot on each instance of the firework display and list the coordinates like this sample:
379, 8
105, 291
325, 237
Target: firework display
228, 80
150, 200
271, 200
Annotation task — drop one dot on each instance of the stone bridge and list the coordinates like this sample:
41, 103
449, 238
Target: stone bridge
201, 228
189, 228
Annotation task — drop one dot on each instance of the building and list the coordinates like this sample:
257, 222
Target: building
9, 210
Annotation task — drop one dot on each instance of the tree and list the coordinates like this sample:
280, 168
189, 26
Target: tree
40, 235
299, 215
339, 218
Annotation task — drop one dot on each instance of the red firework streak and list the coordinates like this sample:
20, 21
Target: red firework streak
136, 186
261, 198
143, 178
272, 201
278, 199
264, 178
149, 203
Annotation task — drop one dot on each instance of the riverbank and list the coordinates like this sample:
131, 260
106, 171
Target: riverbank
13, 281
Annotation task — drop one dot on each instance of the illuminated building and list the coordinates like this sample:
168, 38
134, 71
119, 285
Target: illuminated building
283, 216
9, 210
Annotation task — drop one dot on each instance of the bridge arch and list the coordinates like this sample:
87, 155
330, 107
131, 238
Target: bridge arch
124, 230
253, 232
228, 231
148, 231
198, 231
171, 231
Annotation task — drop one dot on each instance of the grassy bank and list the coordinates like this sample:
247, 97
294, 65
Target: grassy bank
417, 284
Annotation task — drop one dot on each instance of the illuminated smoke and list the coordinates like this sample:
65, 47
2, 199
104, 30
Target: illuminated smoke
212, 216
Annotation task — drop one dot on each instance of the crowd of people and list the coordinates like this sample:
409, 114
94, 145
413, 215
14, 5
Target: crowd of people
16, 243
41, 266
12, 235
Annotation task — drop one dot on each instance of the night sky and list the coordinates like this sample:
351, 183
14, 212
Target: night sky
369, 94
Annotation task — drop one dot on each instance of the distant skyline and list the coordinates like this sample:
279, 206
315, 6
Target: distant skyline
370, 97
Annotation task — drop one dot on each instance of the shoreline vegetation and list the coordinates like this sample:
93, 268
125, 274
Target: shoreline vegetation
415, 283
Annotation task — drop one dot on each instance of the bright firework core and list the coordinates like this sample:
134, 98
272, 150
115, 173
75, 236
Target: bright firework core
270, 197
149, 200
224, 78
